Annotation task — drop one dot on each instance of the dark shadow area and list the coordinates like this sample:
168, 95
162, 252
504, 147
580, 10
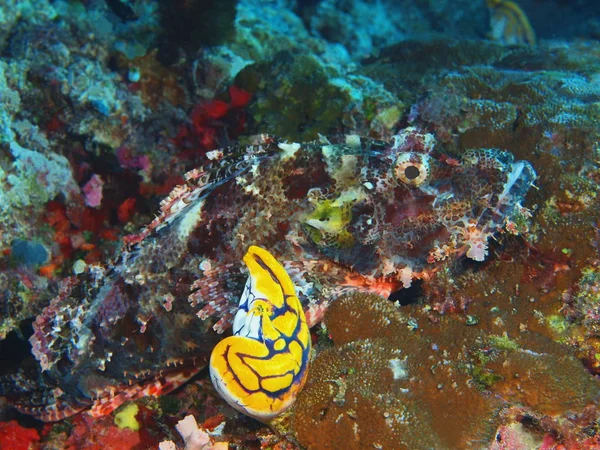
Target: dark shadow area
15, 347
408, 296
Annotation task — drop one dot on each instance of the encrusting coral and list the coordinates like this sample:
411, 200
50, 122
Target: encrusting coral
394, 379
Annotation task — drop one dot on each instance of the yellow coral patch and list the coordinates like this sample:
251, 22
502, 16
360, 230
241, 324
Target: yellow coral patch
126, 417
509, 24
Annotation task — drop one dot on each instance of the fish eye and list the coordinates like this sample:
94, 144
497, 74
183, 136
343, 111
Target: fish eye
412, 169
411, 172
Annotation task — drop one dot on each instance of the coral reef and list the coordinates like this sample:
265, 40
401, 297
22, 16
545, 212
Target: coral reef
397, 379
105, 104
298, 96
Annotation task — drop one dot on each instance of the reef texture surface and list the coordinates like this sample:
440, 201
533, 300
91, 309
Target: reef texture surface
361, 214
394, 378
447, 160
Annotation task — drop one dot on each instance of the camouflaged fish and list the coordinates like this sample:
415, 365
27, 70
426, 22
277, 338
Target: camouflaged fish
354, 214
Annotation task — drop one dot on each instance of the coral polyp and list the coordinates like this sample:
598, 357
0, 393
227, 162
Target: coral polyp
443, 385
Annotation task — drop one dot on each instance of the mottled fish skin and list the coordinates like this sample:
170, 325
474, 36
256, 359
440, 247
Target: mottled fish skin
355, 214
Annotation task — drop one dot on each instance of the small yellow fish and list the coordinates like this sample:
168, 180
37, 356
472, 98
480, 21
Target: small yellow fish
262, 367
509, 24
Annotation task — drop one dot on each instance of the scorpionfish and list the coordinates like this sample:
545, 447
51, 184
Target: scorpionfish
348, 214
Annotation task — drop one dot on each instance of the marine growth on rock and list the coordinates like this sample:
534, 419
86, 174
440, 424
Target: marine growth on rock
396, 379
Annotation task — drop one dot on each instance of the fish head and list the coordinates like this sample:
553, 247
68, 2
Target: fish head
397, 207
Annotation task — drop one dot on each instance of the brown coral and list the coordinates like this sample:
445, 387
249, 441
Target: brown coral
387, 386
359, 396
396, 379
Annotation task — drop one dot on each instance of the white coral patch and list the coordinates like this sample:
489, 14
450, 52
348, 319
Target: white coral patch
398, 368
190, 221
289, 150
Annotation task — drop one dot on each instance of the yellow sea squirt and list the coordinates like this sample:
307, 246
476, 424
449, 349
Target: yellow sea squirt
262, 367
